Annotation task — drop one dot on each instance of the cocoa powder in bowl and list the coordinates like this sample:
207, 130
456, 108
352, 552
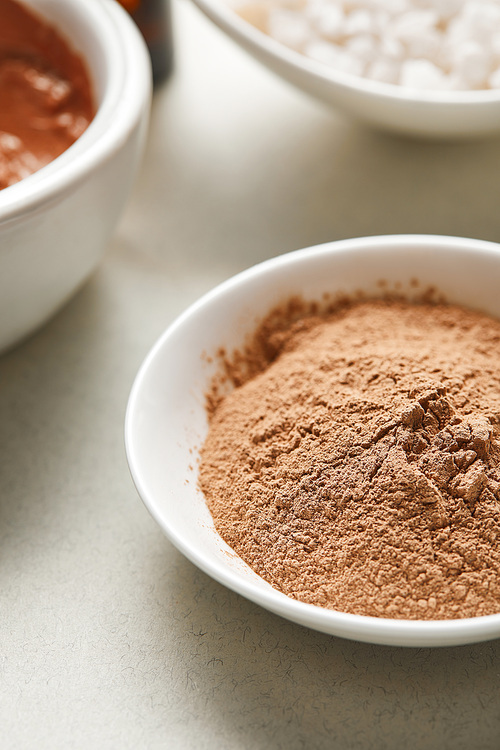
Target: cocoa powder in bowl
355, 464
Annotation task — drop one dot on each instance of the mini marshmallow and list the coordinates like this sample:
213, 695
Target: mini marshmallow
426, 45
494, 79
363, 47
384, 71
471, 64
423, 75
446, 9
359, 22
327, 19
495, 45
335, 56
413, 24
392, 49
289, 27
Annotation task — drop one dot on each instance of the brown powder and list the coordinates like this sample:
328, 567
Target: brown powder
356, 464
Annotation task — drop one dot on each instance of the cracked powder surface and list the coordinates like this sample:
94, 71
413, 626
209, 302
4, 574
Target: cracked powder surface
356, 464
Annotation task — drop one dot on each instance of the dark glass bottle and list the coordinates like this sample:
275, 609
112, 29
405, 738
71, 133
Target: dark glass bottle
153, 17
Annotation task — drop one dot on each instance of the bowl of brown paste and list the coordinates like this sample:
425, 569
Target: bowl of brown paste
75, 87
321, 434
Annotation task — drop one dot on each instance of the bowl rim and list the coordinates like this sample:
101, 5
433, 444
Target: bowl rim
386, 631
127, 93
227, 18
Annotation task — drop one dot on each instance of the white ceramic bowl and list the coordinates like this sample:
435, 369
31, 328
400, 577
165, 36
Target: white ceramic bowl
54, 224
166, 420
390, 107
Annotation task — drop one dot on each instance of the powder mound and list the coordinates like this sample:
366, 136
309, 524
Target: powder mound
359, 468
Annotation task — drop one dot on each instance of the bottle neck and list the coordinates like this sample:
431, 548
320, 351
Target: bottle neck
153, 17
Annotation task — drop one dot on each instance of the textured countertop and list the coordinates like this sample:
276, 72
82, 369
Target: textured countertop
110, 637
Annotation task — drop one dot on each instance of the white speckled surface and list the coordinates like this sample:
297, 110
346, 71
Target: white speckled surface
110, 638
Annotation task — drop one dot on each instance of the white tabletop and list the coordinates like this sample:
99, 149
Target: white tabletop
110, 638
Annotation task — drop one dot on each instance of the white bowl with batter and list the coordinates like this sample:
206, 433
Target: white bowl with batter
166, 419
55, 224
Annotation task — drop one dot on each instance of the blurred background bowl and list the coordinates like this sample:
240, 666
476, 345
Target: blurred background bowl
166, 420
430, 114
55, 224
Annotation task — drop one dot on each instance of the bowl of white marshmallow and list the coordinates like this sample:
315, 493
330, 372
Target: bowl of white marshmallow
427, 68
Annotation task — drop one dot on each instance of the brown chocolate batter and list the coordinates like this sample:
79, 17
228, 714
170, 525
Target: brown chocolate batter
46, 99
